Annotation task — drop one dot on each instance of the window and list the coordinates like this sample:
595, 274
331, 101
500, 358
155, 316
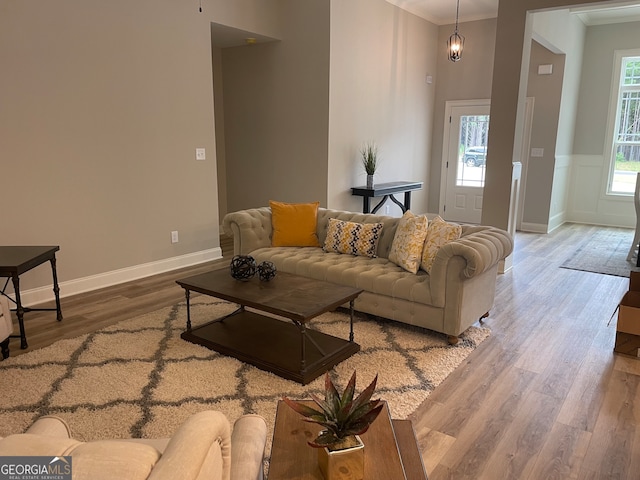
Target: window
472, 150
625, 151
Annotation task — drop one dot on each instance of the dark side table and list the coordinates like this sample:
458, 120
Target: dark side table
14, 261
386, 190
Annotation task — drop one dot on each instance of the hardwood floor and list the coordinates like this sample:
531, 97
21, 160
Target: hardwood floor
544, 397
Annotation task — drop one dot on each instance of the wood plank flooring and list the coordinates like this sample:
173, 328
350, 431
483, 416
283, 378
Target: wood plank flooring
544, 397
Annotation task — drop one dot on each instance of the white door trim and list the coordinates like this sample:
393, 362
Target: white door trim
524, 158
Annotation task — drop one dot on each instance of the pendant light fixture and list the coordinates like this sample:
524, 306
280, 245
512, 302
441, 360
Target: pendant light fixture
455, 44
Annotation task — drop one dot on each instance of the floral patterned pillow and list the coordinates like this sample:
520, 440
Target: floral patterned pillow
406, 248
439, 233
354, 238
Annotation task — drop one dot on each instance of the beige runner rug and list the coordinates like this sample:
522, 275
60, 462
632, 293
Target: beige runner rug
604, 251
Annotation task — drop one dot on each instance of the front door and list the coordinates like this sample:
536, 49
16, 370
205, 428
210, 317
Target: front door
465, 154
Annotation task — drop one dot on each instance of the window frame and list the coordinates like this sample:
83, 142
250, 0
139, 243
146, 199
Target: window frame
615, 105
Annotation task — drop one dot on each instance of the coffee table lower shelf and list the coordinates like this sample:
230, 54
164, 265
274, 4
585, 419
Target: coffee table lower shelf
273, 345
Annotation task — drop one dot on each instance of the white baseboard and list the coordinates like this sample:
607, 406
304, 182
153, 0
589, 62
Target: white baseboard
115, 277
533, 227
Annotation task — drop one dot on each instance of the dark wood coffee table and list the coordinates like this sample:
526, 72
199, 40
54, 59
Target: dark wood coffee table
284, 346
391, 449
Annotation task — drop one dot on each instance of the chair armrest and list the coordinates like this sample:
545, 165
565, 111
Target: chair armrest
6, 322
50, 426
251, 229
200, 448
247, 448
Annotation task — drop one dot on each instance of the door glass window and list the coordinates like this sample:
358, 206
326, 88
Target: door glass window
472, 151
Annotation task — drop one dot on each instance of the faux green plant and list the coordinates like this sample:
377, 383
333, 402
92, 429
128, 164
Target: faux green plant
341, 415
369, 154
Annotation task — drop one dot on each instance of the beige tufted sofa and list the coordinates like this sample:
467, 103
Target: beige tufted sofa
459, 291
202, 448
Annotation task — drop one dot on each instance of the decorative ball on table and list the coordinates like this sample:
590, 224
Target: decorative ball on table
266, 271
243, 267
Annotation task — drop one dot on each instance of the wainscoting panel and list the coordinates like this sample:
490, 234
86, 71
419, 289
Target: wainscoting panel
588, 202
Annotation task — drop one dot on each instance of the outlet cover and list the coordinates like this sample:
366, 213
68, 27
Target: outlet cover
174, 236
201, 154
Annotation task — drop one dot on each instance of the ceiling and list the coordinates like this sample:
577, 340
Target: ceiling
443, 12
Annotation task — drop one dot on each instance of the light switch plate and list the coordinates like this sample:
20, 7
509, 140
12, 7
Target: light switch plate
545, 69
537, 152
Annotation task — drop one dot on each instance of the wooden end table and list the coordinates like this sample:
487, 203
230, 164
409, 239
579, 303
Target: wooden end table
288, 347
16, 260
391, 449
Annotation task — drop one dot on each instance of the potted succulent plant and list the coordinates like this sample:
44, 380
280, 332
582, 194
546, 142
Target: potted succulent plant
369, 154
344, 418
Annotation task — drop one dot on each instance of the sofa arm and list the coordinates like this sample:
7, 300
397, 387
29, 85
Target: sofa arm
50, 426
480, 249
247, 447
251, 229
200, 448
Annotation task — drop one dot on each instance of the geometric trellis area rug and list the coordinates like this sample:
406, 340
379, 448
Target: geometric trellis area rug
139, 379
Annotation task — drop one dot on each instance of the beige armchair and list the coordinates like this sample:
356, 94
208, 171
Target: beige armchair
202, 448
6, 326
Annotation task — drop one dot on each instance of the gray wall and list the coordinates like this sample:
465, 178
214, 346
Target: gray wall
600, 43
380, 58
513, 43
103, 105
588, 201
296, 112
468, 79
546, 90
276, 111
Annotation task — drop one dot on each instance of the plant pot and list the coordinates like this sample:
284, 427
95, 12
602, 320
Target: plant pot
369, 181
344, 463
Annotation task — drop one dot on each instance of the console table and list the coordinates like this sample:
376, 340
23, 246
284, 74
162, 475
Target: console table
386, 190
14, 261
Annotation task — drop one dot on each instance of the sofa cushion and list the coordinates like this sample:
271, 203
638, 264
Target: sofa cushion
351, 237
376, 275
408, 242
294, 224
439, 233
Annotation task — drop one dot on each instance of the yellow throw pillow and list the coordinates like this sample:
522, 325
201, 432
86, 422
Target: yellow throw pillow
294, 224
354, 238
406, 248
439, 233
